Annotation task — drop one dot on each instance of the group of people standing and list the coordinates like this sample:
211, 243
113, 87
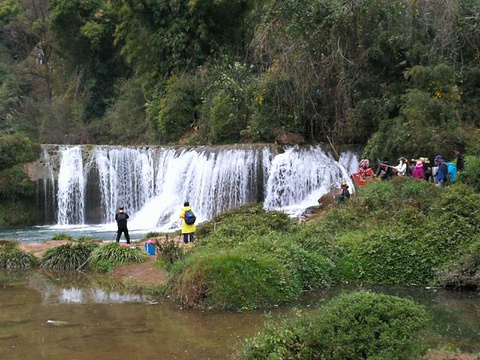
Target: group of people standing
186, 214
441, 173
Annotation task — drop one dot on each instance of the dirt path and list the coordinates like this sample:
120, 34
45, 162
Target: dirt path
145, 273
39, 248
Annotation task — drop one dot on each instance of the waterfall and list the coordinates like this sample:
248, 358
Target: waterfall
71, 187
299, 176
126, 177
153, 183
212, 181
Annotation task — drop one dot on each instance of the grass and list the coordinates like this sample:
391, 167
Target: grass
13, 258
402, 232
68, 256
105, 258
62, 236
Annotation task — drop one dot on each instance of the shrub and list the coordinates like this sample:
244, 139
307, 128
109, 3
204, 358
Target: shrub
356, 326
232, 280
245, 220
471, 173
464, 273
398, 255
178, 108
115, 254
68, 256
19, 212
15, 149
169, 250
13, 258
62, 236
15, 183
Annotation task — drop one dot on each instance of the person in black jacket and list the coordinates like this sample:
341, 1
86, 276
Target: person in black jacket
121, 219
460, 160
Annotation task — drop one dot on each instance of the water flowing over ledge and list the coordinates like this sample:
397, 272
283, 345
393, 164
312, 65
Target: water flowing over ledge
86, 184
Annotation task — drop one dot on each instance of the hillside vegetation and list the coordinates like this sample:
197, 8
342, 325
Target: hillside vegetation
402, 232
401, 76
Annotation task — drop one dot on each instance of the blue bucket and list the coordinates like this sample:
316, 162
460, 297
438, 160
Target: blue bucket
150, 249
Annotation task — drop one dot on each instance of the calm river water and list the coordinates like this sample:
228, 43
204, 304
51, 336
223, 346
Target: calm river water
47, 315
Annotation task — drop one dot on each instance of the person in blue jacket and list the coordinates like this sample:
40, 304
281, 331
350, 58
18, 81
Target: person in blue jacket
442, 171
452, 172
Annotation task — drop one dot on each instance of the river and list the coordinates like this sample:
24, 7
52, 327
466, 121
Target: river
46, 315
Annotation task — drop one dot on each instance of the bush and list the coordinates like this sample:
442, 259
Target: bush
15, 183
20, 212
13, 258
244, 221
356, 326
465, 273
471, 173
169, 250
410, 247
62, 236
68, 256
17, 149
398, 255
108, 256
178, 108
232, 280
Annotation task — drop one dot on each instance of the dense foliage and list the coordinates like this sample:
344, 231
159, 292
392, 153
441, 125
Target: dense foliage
399, 75
405, 232
247, 259
356, 326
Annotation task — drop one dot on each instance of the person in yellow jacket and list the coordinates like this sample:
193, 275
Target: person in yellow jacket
188, 230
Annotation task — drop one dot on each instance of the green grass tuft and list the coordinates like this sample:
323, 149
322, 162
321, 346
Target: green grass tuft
62, 236
105, 258
13, 258
68, 256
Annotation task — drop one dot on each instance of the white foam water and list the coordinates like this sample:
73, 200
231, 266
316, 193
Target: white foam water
71, 187
153, 183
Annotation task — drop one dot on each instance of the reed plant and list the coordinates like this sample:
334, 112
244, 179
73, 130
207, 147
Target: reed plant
106, 257
13, 258
68, 256
62, 236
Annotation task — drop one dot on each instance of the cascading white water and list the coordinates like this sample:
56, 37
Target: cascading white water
349, 160
299, 176
126, 177
153, 183
71, 187
212, 181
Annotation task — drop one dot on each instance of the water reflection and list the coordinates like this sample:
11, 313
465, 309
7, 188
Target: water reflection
50, 315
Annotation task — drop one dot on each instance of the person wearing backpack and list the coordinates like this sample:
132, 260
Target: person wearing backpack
452, 172
121, 218
188, 223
